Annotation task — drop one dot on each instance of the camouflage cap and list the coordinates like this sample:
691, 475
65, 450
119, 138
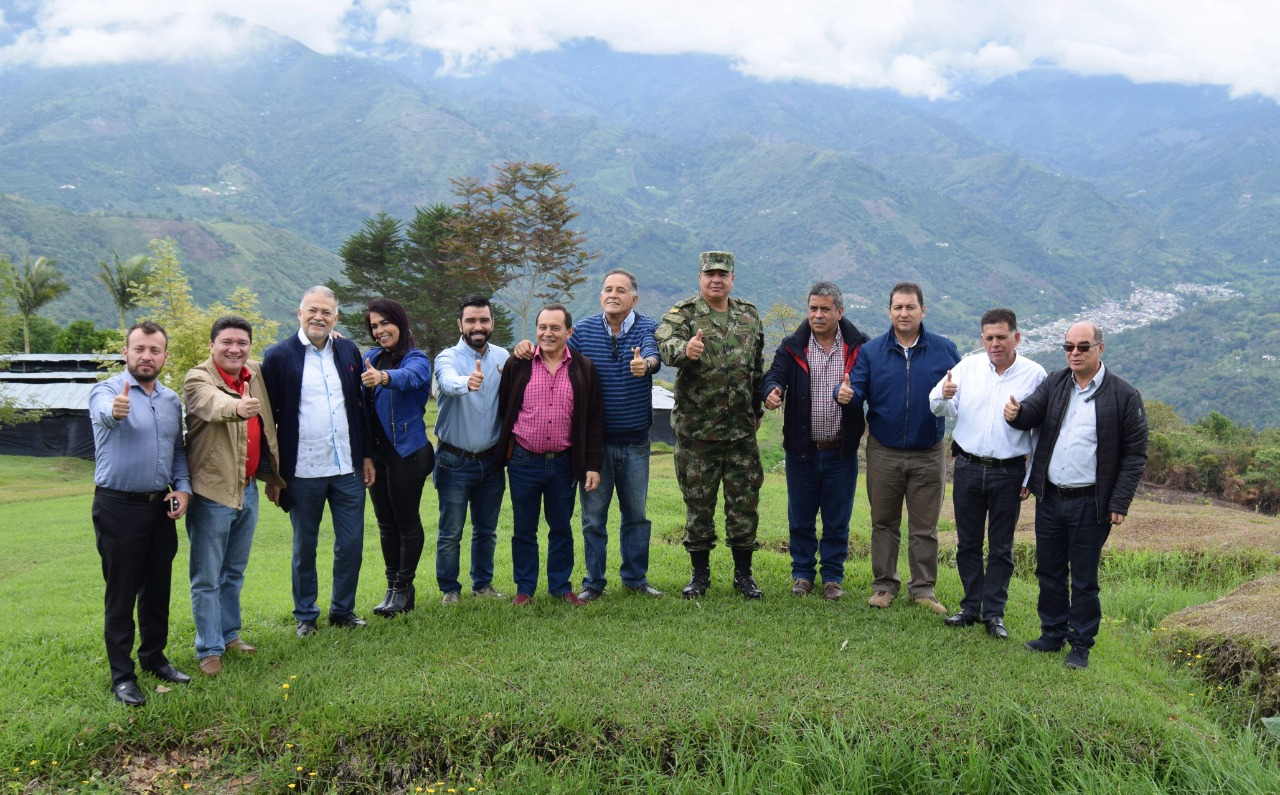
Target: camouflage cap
715, 261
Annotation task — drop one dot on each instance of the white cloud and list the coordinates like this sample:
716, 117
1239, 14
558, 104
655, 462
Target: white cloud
916, 47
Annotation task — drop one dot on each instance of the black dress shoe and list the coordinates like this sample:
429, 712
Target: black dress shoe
348, 620
590, 594
1045, 644
961, 619
129, 694
995, 628
306, 626
169, 674
646, 590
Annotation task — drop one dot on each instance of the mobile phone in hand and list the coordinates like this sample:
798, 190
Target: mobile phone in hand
173, 504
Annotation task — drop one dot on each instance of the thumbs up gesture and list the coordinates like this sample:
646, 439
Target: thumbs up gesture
120, 405
248, 407
949, 387
1011, 409
476, 379
845, 393
774, 399
639, 364
370, 377
694, 348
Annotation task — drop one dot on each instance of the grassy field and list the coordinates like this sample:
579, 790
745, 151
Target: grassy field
626, 695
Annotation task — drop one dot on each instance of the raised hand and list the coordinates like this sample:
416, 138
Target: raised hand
773, 400
639, 365
120, 404
1011, 409
370, 377
523, 350
949, 387
476, 379
845, 393
694, 348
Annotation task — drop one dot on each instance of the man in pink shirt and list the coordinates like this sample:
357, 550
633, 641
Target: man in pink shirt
552, 438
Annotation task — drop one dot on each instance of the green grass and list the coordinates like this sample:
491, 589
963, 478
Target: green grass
626, 695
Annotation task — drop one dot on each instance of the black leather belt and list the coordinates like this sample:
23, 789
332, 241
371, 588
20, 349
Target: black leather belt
834, 444
448, 448
995, 463
1069, 494
131, 496
548, 456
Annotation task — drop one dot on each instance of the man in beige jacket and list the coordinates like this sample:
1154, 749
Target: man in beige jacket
228, 446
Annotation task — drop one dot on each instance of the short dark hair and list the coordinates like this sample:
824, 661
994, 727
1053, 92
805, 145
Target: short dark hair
907, 287
635, 285
147, 327
393, 311
557, 307
478, 301
828, 290
230, 321
1000, 315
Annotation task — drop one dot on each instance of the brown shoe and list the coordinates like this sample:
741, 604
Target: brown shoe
801, 587
881, 599
930, 603
239, 645
832, 591
211, 665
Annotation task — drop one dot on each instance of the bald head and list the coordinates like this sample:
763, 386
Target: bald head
1085, 330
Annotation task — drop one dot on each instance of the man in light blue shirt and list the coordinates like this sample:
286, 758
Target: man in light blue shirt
467, 471
142, 486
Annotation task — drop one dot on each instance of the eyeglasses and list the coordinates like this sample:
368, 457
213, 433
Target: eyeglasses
613, 343
1083, 347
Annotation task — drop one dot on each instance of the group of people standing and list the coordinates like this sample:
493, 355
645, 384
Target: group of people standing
567, 416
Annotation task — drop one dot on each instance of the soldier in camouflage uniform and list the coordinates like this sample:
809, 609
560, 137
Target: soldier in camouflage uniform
716, 345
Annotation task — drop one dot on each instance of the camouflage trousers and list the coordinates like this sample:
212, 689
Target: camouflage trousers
701, 466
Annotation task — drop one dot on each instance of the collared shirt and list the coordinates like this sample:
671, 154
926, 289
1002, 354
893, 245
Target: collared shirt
826, 371
466, 419
253, 428
142, 452
978, 405
545, 423
324, 447
629, 400
1074, 461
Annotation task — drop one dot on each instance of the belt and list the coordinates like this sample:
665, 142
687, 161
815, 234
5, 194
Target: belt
548, 456
1068, 494
994, 463
448, 448
131, 496
834, 444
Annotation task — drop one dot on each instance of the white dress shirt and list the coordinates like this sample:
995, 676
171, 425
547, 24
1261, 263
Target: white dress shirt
978, 405
324, 438
1074, 462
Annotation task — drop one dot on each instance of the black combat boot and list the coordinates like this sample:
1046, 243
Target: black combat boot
743, 582
390, 541
701, 579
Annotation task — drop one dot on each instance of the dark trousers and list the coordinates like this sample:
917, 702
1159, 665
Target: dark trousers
1069, 541
986, 498
137, 542
823, 481
537, 482
397, 499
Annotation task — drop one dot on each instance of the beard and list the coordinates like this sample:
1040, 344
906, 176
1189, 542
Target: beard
478, 339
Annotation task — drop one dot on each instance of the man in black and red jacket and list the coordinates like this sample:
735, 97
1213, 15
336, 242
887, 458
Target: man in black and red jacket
820, 437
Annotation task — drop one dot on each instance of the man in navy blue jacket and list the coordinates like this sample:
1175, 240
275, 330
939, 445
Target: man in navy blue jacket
905, 458
326, 454
820, 436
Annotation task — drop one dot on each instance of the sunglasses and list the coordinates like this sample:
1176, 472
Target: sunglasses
1083, 347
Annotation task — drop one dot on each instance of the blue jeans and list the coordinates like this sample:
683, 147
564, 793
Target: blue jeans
989, 496
547, 484
825, 481
626, 469
345, 495
220, 539
460, 482
1069, 541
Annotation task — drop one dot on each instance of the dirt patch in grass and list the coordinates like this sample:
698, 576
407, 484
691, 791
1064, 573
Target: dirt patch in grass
1235, 639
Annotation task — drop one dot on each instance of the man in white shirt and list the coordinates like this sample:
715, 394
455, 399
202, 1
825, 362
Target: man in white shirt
313, 381
990, 477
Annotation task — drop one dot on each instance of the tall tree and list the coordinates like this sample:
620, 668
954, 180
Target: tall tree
126, 282
513, 236
36, 284
408, 264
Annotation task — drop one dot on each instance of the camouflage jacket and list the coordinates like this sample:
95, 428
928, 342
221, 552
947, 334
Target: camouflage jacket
717, 396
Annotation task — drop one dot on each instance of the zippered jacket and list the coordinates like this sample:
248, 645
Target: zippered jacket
896, 388
402, 402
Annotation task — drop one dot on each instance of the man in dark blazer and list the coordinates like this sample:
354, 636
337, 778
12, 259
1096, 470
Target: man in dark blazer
1086, 468
313, 380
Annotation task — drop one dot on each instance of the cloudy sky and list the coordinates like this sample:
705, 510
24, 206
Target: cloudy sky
915, 47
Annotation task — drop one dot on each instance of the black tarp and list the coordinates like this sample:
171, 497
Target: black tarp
57, 433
